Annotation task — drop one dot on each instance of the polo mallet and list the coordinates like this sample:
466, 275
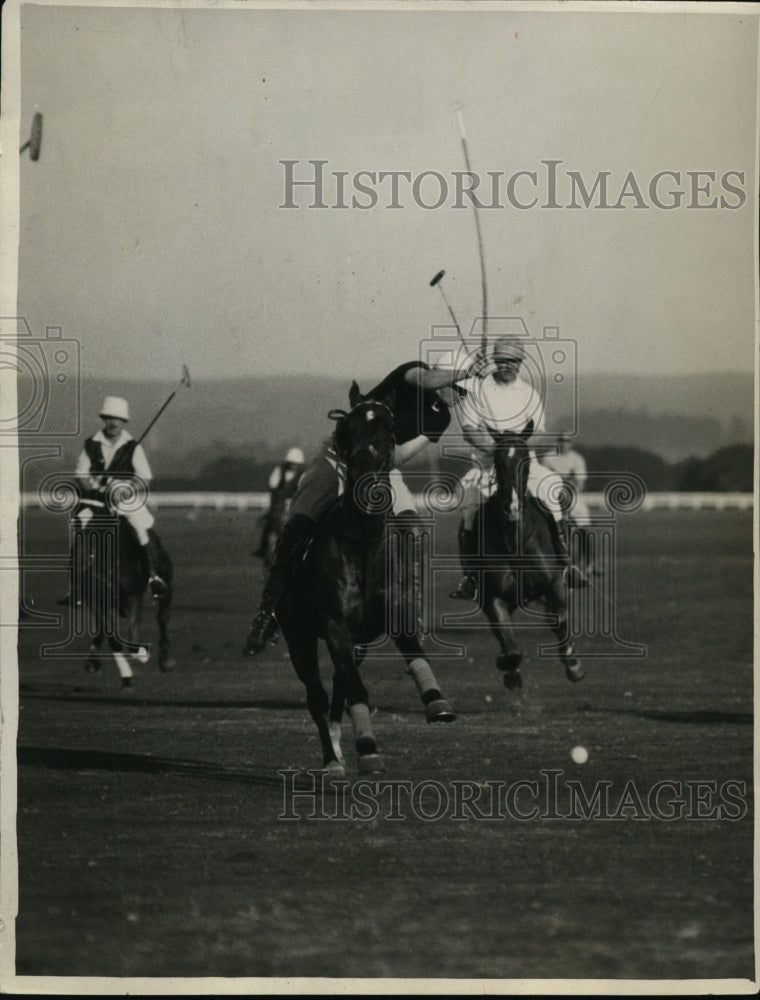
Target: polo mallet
185, 380
436, 283
34, 142
484, 290
117, 468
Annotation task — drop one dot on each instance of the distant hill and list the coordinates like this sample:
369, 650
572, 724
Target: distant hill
260, 418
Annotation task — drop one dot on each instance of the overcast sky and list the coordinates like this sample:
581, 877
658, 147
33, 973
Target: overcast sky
151, 226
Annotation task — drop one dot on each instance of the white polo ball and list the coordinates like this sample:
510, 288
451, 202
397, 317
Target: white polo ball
579, 755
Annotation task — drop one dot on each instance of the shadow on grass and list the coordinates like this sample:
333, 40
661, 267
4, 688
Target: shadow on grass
134, 700
66, 759
700, 716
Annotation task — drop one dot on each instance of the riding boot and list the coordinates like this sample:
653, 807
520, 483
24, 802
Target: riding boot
158, 586
296, 535
575, 578
467, 589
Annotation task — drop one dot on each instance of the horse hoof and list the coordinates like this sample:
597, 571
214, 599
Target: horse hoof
439, 711
167, 665
467, 590
512, 680
92, 666
141, 655
335, 769
509, 661
574, 671
371, 763
126, 685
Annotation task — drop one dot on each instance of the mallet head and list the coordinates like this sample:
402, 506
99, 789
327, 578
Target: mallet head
35, 140
437, 278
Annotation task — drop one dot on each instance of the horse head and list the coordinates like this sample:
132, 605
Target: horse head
364, 438
511, 460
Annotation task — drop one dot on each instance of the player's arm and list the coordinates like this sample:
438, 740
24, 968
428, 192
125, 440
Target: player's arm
275, 477
82, 471
434, 378
475, 431
538, 416
579, 473
140, 464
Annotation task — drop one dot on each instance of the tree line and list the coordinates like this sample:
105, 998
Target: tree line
729, 469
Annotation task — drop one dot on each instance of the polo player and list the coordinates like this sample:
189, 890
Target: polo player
112, 454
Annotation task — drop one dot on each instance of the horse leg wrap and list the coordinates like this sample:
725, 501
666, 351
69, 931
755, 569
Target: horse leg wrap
574, 670
360, 718
424, 678
370, 761
122, 663
437, 708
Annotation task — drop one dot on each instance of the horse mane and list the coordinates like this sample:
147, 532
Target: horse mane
532, 512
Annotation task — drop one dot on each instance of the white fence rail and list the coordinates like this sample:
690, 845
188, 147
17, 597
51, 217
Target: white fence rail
260, 501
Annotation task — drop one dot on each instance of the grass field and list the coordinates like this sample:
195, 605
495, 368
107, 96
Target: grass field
150, 841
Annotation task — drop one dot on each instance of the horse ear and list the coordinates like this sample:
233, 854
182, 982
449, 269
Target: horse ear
336, 414
353, 394
528, 428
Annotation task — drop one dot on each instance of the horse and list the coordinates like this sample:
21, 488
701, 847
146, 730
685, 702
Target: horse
521, 565
346, 594
271, 525
111, 578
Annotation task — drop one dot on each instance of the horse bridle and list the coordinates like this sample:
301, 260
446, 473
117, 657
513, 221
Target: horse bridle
519, 488
339, 415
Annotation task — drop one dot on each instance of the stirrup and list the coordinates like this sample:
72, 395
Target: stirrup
467, 589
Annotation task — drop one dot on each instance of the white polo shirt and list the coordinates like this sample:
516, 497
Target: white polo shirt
570, 465
503, 407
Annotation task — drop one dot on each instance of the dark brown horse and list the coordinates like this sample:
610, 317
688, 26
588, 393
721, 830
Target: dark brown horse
350, 590
111, 579
520, 564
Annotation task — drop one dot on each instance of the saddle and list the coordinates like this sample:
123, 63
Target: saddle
104, 513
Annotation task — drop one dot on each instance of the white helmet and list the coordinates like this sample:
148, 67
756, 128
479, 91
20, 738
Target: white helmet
295, 455
509, 348
115, 406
